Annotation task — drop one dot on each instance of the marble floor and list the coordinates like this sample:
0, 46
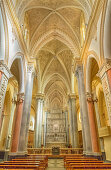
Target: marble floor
54, 164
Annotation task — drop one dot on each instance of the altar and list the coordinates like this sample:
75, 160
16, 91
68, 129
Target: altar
56, 129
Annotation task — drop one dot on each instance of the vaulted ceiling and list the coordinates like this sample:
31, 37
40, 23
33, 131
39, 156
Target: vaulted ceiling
54, 27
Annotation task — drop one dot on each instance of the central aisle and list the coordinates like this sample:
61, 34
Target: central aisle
56, 164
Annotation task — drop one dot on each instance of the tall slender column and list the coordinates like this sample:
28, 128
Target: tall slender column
67, 128
9, 134
40, 128
17, 122
45, 119
38, 121
84, 110
74, 121
42, 143
36, 129
98, 120
5, 74
94, 131
96, 110
70, 122
105, 76
83, 130
26, 110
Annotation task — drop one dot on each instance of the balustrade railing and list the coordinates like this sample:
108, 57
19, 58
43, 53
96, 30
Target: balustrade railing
48, 151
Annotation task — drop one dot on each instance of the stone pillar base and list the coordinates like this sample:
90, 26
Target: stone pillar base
97, 155
13, 155
103, 156
4, 154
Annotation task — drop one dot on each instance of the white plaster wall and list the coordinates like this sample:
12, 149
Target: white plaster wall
95, 43
14, 46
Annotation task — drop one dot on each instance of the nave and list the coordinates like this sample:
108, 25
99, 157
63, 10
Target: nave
55, 82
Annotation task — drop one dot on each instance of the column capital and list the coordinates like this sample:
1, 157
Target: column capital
65, 109
39, 96
73, 96
5, 70
90, 98
77, 64
78, 67
20, 97
30, 68
104, 68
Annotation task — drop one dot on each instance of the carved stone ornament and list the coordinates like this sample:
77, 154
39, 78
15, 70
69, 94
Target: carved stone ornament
30, 68
72, 97
105, 67
20, 97
5, 70
3, 86
78, 68
90, 98
106, 88
39, 96
107, 95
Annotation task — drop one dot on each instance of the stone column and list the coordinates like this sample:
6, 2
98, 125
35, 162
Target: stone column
22, 148
93, 128
96, 110
40, 127
70, 122
45, 119
74, 121
4, 76
83, 109
38, 121
105, 76
67, 128
42, 143
83, 131
17, 122
9, 134
36, 129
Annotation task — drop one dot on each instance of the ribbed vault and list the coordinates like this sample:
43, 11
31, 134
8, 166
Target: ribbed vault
54, 40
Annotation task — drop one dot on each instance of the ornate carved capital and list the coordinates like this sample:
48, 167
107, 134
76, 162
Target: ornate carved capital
90, 98
5, 70
30, 68
104, 68
20, 97
39, 96
107, 64
78, 67
73, 96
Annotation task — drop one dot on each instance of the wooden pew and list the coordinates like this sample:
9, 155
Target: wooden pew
89, 166
36, 167
38, 162
80, 162
42, 166
31, 160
